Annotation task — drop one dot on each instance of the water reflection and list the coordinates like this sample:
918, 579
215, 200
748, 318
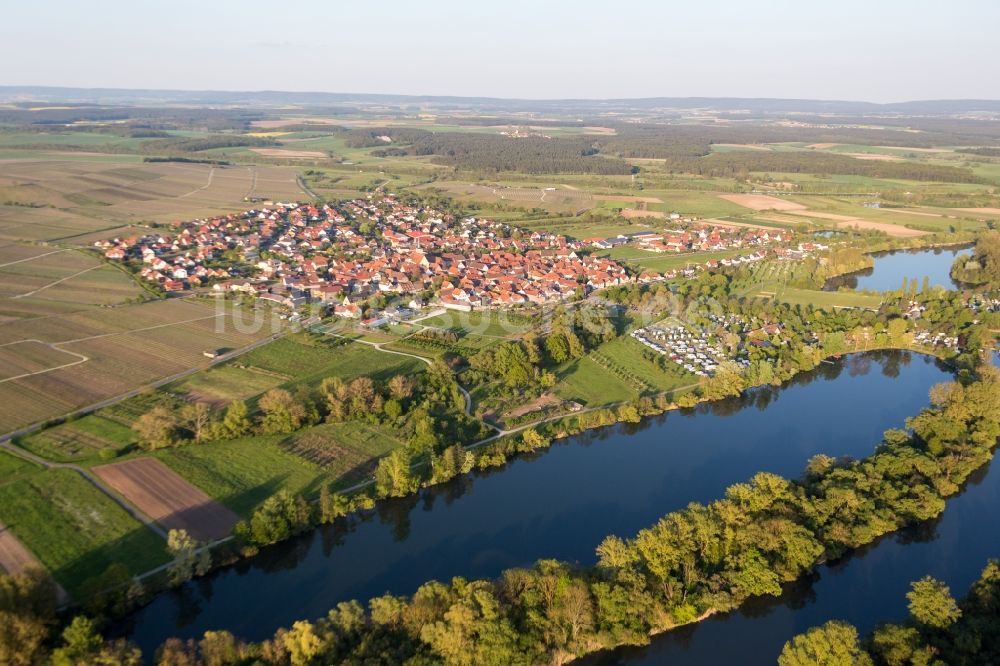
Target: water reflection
892, 268
559, 503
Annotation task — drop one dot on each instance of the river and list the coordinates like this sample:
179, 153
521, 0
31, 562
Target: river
866, 587
559, 503
891, 268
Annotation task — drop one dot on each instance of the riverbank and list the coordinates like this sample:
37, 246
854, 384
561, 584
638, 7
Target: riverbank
783, 530
559, 502
496, 451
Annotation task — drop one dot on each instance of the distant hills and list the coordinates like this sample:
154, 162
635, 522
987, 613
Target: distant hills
268, 98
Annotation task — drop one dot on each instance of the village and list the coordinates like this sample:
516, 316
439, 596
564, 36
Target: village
294, 254
340, 256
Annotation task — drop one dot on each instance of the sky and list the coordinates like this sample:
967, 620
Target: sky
871, 50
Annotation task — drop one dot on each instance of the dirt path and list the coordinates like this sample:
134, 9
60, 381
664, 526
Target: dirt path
37, 256
52, 284
134, 392
80, 359
48, 464
211, 174
429, 362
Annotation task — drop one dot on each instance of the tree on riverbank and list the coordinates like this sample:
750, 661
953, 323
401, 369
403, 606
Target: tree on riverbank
939, 630
701, 559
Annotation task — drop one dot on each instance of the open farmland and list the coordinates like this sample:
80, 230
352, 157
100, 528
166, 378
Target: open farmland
302, 362
242, 473
71, 527
168, 499
74, 199
894, 230
109, 352
556, 199
57, 280
79, 439
762, 202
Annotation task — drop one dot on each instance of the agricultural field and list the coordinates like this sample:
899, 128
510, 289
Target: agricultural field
643, 260
309, 363
498, 324
347, 452
57, 280
70, 200
770, 280
111, 352
587, 382
79, 439
168, 499
14, 557
72, 528
242, 473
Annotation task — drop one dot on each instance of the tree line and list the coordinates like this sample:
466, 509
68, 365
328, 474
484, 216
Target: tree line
420, 406
702, 559
983, 267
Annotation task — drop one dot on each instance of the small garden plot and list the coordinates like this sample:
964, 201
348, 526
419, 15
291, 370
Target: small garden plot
75, 530
347, 451
242, 473
79, 439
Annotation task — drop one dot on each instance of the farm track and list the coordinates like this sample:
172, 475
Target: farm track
211, 175
300, 181
107, 402
37, 256
81, 359
378, 346
52, 284
96, 482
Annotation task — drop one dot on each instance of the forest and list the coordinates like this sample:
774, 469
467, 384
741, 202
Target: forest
684, 149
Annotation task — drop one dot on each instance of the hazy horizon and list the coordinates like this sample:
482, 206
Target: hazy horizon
892, 51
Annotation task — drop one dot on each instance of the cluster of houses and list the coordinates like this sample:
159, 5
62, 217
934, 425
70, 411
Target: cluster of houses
936, 340
693, 352
701, 237
983, 304
344, 254
175, 263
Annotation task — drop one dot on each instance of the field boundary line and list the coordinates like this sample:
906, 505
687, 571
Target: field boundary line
52, 284
107, 402
97, 483
50, 345
211, 174
37, 256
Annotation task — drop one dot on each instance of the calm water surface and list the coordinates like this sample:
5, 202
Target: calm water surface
891, 268
558, 504
865, 588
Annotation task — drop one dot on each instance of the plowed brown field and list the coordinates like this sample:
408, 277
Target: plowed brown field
168, 499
